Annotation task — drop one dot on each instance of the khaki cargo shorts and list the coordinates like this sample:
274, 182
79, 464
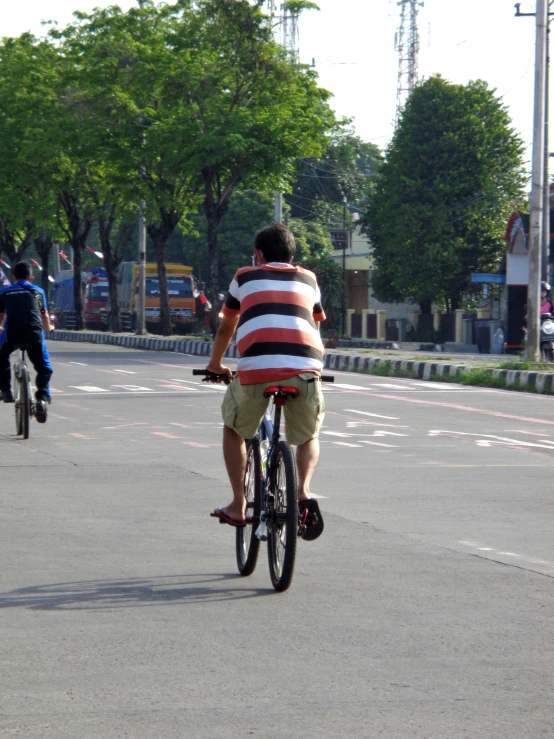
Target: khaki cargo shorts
244, 406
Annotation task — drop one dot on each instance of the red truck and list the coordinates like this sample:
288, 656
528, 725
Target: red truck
96, 299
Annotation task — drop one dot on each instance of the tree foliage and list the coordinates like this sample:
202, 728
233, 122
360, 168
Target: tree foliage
343, 173
452, 174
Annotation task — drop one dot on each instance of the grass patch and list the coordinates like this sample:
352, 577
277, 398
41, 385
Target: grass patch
481, 377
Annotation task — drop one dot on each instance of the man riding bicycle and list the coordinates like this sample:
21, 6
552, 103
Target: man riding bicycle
275, 308
23, 320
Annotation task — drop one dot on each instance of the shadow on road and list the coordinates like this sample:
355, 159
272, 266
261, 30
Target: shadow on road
132, 593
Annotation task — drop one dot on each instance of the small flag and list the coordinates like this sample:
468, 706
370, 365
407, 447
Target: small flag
7, 266
36, 264
3, 279
51, 279
64, 256
96, 253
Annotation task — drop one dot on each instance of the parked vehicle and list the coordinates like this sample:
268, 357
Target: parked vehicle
547, 337
96, 299
63, 299
181, 288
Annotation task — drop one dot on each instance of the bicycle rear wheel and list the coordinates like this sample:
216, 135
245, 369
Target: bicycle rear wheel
25, 403
282, 530
247, 543
17, 406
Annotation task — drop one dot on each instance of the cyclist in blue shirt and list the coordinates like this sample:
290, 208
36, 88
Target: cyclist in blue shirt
23, 320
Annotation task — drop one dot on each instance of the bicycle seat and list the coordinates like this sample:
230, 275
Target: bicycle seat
280, 393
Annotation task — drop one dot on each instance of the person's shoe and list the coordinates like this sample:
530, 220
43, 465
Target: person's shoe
43, 397
7, 396
41, 411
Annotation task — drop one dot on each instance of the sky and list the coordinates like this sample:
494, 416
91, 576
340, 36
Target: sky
352, 44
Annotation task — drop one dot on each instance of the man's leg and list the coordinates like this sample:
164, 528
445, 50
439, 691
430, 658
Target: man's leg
5, 369
307, 457
234, 454
38, 354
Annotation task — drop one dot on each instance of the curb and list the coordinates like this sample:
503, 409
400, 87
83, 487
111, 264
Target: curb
529, 381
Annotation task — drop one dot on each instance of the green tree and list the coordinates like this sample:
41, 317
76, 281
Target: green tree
346, 169
254, 109
27, 200
452, 174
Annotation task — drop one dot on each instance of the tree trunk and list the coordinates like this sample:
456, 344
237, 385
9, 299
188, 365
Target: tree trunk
214, 254
43, 247
425, 306
111, 264
165, 312
159, 234
78, 288
79, 223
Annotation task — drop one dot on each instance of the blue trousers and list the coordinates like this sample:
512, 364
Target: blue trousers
38, 355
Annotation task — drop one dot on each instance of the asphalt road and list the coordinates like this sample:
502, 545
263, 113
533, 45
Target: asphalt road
425, 611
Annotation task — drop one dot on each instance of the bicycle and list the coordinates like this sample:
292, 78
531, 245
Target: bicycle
25, 401
271, 492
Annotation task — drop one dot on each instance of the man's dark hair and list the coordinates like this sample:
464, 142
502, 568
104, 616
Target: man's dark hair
22, 271
276, 243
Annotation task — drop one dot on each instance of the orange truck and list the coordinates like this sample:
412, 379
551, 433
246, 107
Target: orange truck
180, 288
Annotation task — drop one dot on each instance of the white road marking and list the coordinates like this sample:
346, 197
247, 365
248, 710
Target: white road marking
134, 388
125, 372
373, 415
488, 440
377, 443
343, 443
523, 557
81, 364
90, 388
344, 386
387, 433
391, 386
125, 425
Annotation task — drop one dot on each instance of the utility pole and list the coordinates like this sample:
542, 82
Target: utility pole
537, 185
286, 21
545, 246
278, 207
141, 312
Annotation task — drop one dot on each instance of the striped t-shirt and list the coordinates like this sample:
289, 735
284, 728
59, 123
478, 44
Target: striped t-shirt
277, 336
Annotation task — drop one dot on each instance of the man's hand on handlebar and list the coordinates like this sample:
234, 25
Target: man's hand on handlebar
220, 369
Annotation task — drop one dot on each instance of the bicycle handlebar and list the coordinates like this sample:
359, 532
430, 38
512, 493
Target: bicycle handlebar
212, 377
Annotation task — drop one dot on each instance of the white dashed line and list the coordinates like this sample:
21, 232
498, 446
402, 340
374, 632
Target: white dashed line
90, 388
373, 415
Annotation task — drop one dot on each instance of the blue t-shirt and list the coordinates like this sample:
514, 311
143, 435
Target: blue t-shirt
23, 304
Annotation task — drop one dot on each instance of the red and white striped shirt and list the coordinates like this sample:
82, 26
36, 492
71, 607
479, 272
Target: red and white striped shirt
277, 336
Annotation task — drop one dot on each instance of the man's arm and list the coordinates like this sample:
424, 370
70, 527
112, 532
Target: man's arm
222, 339
2, 316
45, 319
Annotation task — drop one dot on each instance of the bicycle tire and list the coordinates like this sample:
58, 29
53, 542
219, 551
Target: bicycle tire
282, 528
25, 404
247, 543
17, 406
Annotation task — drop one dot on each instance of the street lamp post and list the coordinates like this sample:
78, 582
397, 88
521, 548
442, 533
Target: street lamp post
344, 243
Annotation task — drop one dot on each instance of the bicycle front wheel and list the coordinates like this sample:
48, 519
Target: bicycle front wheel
247, 543
282, 530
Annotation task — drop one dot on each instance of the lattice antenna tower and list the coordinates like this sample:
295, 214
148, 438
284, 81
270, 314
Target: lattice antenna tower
406, 43
286, 24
